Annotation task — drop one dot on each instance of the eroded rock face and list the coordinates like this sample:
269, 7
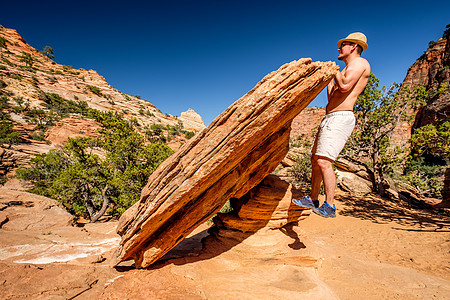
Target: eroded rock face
33, 84
268, 205
236, 152
192, 120
432, 71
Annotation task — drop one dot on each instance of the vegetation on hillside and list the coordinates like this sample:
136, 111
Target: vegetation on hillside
421, 164
91, 176
378, 113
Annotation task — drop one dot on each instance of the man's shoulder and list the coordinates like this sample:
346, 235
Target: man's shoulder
360, 63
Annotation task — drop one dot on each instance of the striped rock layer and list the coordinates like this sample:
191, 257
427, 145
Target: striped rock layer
232, 155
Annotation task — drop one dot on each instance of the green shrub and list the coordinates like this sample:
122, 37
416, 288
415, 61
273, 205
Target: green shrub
63, 106
156, 133
5, 60
18, 77
189, 134
38, 136
43, 119
94, 89
87, 184
7, 134
301, 170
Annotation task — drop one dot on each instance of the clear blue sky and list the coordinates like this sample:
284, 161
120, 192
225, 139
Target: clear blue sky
207, 54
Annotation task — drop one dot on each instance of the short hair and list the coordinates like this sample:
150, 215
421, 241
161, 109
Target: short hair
359, 49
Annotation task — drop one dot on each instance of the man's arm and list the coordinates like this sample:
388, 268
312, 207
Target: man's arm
353, 73
330, 88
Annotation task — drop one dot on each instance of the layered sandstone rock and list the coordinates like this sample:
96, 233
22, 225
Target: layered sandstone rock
236, 152
71, 127
432, 70
268, 205
46, 76
305, 124
192, 120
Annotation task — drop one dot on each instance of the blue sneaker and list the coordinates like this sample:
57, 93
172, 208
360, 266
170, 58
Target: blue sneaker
304, 202
326, 210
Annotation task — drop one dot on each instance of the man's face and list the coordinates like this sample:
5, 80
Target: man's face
345, 49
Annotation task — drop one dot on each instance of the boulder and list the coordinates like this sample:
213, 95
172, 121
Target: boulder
192, 120
232, 155
268, 205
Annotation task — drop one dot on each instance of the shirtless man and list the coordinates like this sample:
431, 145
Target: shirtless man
338, 123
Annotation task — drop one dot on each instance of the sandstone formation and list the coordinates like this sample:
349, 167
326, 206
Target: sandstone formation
268, 205
43, 256
72, 128
192, 121
29, 86
432, 70
305, 124
71, 84
236, 152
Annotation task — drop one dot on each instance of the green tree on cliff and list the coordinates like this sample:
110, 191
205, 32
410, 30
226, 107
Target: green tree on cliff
2, 45
377, 113
48, 52
27, 58
93, 175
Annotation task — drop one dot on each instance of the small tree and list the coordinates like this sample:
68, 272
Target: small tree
430, 154
90, 184
2, 45
48, 52
27, 58
378, 112
7, 135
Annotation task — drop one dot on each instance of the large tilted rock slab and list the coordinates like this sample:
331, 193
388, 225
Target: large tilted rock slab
232, 155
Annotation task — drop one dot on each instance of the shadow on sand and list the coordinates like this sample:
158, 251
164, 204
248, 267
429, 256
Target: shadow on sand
380, 210
212, 242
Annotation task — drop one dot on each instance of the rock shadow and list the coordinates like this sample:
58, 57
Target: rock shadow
379, 210
216, 240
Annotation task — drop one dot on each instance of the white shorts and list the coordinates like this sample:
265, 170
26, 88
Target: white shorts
333, 133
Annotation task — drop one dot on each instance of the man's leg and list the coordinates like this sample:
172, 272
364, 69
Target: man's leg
322, 170
316, 178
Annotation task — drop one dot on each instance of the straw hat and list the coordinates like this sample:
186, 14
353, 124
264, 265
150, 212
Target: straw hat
355, 37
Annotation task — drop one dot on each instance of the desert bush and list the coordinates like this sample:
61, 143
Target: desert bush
63, 106
301, 170
48, 52
156, 133
9, 63
89, 185
377, 113
7, 135
94, 89
43, 119
27, 58
189, 134
38, 135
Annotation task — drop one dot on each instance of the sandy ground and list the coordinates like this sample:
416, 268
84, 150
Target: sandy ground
374, 249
